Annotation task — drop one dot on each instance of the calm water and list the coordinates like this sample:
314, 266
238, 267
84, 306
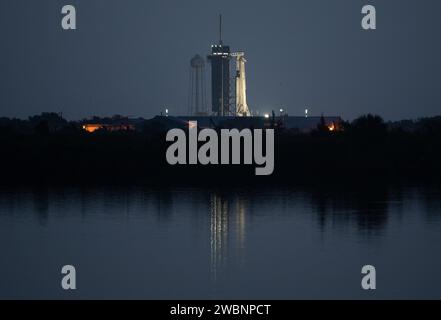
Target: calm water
208, 243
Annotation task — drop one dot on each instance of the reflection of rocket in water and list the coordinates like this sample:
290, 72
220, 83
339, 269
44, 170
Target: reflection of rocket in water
227, 230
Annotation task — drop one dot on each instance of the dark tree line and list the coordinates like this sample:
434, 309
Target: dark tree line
49, 149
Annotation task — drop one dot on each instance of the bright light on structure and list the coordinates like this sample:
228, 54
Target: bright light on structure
92, 127
266, 115
166, 112
306, 113
281, 110
331, 127
192, 124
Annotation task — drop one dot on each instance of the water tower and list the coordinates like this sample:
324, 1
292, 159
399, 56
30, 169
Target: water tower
197, 97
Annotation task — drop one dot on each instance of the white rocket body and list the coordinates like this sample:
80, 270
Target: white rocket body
242, 109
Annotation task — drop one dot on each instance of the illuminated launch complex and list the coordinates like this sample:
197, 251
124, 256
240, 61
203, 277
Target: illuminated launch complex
228, 107
228, 95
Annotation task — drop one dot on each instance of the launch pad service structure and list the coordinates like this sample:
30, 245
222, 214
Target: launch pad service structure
228, 95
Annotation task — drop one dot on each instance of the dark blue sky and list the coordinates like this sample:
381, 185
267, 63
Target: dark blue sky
132, 57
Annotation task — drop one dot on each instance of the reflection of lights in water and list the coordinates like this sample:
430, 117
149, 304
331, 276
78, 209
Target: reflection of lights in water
219, 232
227, 223
240, 227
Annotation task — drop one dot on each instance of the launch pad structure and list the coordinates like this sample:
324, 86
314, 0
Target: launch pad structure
229, 107
228, 94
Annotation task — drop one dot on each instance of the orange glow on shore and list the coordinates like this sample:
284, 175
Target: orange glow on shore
92, 127
331, 127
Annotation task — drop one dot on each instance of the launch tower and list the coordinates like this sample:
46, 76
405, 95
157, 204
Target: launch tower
220, 76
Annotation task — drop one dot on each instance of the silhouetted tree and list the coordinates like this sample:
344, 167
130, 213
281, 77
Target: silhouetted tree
42, 128
431, 126
368, 126
322, 127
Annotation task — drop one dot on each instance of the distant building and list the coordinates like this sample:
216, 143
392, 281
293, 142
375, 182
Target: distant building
92, 127
112, 124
